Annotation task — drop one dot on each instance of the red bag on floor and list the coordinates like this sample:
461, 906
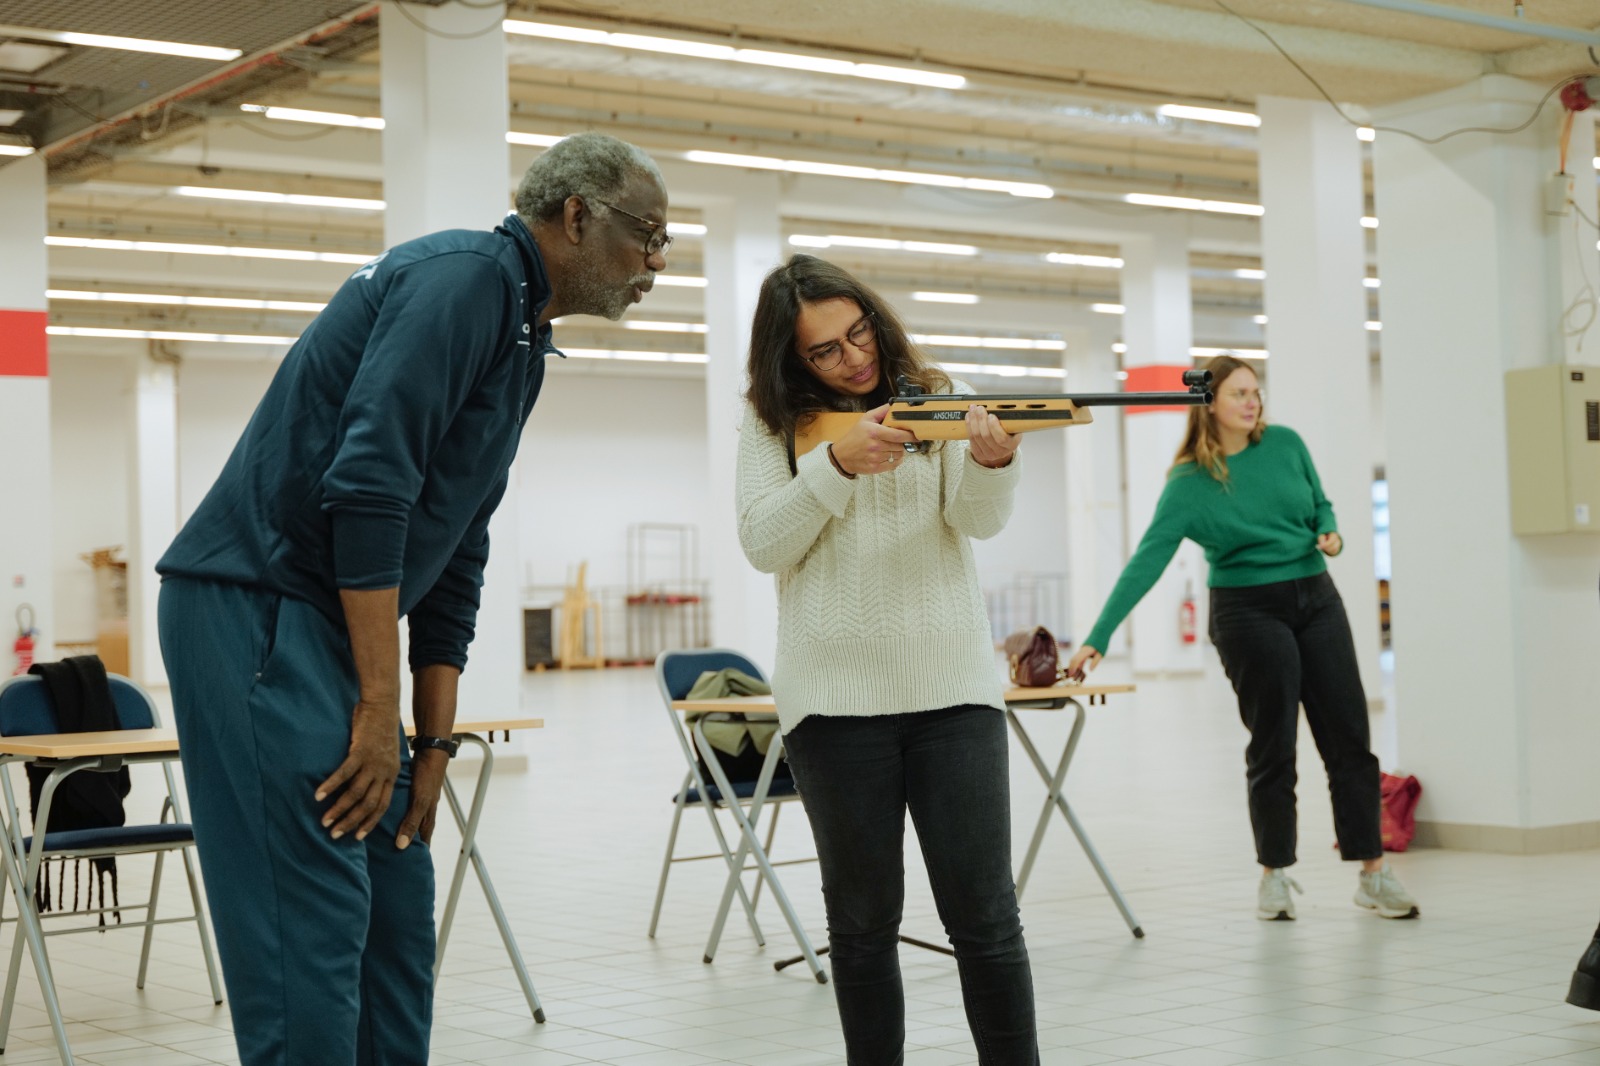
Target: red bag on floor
1397, 817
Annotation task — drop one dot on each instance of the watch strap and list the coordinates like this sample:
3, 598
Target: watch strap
444, 744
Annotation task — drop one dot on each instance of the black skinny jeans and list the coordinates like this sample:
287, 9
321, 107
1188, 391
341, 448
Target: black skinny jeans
1283, 645
857, 777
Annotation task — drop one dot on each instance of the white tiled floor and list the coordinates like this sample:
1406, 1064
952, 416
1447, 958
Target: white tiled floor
574, 843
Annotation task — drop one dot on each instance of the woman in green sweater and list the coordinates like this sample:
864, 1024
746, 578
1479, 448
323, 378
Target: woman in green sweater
1249, 495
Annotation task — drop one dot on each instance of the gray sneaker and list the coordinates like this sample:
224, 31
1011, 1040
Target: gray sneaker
1273, 902
1382, 892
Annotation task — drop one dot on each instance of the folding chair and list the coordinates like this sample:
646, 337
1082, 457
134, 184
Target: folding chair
676, 673
27, 710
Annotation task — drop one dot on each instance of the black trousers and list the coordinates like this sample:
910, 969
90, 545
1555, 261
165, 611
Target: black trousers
1284, 645
858, 777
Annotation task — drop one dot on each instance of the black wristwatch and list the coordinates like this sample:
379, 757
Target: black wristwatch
420, 742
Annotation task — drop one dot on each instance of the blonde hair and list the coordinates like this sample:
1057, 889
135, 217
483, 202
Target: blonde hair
1202, 443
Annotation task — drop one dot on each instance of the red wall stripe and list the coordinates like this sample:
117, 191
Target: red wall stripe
1156, 378
24, 346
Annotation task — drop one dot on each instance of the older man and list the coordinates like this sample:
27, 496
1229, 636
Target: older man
361, 492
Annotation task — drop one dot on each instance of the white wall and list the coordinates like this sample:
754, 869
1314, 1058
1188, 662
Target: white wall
89, 438
600, 453
1034, 541
215, 401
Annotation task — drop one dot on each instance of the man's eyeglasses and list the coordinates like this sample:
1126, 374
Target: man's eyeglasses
659, 240
827, 356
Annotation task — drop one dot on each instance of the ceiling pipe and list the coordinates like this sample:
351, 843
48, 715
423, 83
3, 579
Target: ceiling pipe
1493, 22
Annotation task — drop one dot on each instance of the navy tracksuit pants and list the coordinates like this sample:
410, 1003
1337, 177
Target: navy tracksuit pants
327, 945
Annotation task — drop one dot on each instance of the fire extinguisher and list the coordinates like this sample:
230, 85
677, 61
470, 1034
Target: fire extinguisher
22, 648
1187, 616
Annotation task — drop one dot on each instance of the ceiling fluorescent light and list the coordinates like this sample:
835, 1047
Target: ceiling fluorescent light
635, 356
532, 140
1366, 133
1242, 353
1189, 203
1209, 114
116, 245
321, 118
945, 297
1119, 348
666, 327
947, 340
1003, 370
1374, 327
167, 300
125, 44
729, 53
1250, 274
938, 248
1259, 320
1371, 283
1108, 309
293, 199
15, 149
1369, 222
839, 170
808, 240
687, 229
168, 335
1073, 259
669, 46
681, 280
879, 243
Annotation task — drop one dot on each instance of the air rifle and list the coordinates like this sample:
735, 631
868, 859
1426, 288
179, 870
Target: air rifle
944, 416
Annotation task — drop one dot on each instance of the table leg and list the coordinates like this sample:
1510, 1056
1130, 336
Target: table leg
470, 853
22, 870
750, 843
1055, 798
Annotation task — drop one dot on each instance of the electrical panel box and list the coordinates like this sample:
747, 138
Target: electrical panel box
1553, 448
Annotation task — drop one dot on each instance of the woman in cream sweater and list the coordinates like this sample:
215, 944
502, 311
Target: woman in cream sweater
886, 684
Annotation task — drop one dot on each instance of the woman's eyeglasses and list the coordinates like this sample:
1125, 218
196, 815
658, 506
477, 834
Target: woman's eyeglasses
827, 356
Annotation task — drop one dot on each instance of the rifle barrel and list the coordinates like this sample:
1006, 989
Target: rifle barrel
1093, 399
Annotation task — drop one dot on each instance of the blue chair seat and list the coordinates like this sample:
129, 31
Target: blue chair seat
781, 787
118, 836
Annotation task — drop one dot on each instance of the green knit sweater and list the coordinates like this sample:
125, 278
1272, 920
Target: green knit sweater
1258, 527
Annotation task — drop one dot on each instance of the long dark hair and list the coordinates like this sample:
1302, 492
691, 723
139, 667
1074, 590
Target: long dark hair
782, 390
1202, 443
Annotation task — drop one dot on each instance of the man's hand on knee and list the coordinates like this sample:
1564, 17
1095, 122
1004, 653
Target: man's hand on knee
368, 772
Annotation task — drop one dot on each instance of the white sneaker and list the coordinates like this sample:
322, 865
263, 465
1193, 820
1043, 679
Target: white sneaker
1382, 891
1273, 902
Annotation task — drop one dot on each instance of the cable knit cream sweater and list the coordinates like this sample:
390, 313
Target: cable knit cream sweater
879, 609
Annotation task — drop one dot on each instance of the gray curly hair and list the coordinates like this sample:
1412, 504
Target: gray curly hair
594, 166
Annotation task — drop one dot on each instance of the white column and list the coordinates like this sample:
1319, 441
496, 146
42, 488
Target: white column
446, 165
743, 242
25, 555
152, 501
1093, 485
1495, 664
1314, 253
1158, 328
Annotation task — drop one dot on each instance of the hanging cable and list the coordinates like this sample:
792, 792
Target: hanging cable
1392, 129
1586, 298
